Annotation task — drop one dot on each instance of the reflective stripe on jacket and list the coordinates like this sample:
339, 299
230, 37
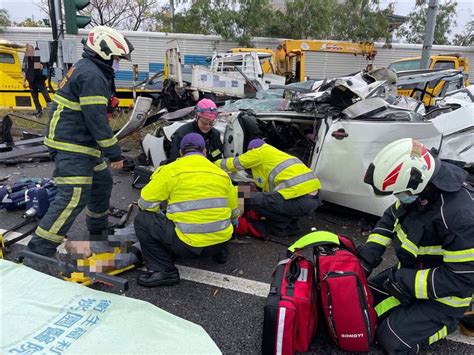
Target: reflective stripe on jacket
434, 245
201, 199
274, 170
78, 121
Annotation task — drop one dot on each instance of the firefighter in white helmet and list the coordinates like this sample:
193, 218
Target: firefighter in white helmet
431, 227
80, 139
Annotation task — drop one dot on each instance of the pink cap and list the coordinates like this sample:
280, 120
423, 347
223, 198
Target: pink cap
207, 109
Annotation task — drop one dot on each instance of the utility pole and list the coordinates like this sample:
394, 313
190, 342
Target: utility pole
429, 33
60, 37
172, 15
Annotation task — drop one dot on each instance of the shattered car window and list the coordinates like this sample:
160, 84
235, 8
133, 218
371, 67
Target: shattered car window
265, 105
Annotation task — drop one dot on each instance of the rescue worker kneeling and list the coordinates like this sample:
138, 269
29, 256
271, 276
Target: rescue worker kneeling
201, 210
290, 188
431, 226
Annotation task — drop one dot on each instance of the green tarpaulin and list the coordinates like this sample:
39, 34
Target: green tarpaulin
44, 315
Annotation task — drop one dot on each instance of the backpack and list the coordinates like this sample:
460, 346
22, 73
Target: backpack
290, 313
346, 300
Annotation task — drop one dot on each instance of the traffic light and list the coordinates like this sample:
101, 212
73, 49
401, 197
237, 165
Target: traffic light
73, 20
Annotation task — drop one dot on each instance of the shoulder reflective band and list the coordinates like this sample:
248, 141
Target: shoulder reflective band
198, 228
73, 180
431, 250
421, 284
40, 232
295, 181
279, 168
69, 147
379, 239
203, 204
72, 105
407, 244
386, 305
93, 100
54, 121
453, 301
215, 153
315, 238
105, 143
440, 334
458, 256
145, 205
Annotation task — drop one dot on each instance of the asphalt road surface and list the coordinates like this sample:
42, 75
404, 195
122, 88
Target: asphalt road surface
226, 300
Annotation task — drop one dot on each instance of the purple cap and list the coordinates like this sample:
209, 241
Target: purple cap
255, 143
192, 141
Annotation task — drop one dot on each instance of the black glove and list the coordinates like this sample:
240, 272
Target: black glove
395, 289
365, 265
368, 266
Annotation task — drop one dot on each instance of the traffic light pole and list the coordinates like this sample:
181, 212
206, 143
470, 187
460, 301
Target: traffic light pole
59, 23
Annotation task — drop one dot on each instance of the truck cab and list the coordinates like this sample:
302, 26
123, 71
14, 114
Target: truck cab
13, 96
437, 62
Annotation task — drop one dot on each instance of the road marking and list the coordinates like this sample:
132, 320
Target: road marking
251, 287
229, 282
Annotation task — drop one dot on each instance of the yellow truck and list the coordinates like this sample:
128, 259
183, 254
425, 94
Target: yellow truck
14, 97
437, 62
288, 59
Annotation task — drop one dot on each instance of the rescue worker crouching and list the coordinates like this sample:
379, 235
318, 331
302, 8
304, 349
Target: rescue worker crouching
206, 115
79, 138
290, 188
201, 210
431, 227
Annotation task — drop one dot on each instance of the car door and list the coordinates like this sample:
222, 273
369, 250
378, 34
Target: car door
349, 146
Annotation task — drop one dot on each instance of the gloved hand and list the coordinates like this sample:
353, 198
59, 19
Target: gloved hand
235, 223
366, 265
395, 289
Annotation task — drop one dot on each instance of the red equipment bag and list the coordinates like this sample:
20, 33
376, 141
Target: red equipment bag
290, 314
346, 299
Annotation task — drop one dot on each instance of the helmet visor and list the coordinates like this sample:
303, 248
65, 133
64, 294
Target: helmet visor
128, 56
369, 179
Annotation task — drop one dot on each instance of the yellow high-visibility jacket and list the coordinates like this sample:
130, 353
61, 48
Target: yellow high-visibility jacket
201, 199
274, 170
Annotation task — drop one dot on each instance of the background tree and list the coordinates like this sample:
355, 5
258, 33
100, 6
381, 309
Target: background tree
129, 15
4, 18
465, 38
413, 30
360, 20
31, 22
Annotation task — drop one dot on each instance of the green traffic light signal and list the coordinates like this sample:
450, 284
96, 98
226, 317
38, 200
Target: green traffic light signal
73, 20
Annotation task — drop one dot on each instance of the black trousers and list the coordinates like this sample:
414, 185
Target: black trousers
38, 86
161, 245
407, 329
281, 216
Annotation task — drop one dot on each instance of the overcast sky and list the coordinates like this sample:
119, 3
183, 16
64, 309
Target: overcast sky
22, 9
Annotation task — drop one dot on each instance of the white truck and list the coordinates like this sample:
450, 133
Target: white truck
235, 75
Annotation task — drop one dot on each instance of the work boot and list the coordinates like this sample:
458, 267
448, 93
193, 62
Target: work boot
221, 257
466, 324
158, 278
42, 246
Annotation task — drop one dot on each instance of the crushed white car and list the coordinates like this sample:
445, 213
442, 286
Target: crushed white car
339, 127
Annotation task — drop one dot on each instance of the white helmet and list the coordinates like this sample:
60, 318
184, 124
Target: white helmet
403, 165
107, 42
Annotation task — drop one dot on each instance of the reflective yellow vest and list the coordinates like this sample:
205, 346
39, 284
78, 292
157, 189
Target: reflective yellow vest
201, 199
274, 170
